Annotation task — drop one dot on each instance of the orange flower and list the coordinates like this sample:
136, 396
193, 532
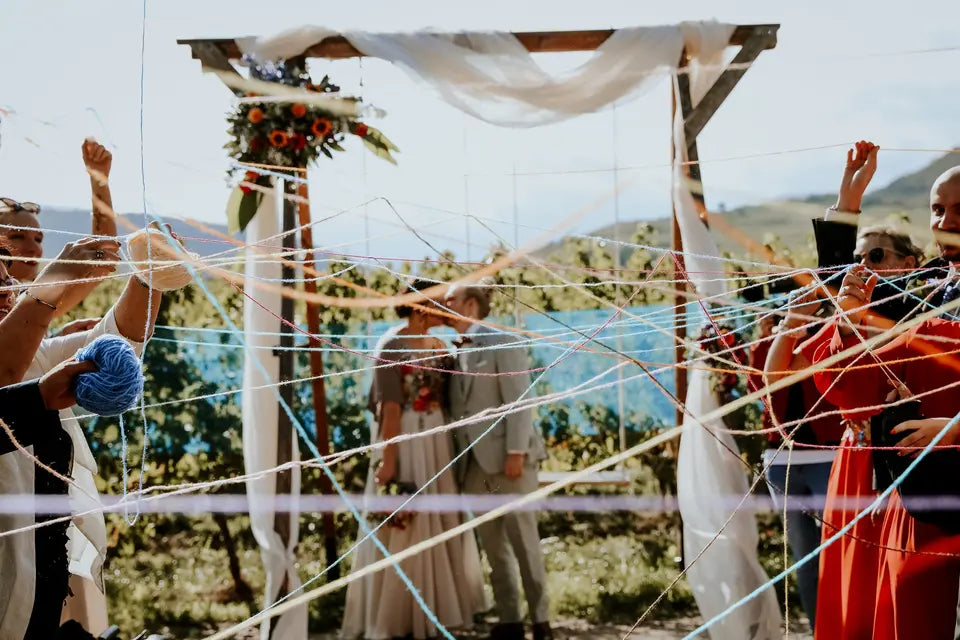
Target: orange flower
321, 127
298, 110
278, 138
360, 130
251, 176
255, 115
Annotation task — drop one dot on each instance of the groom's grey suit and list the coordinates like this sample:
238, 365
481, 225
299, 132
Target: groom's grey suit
487, 352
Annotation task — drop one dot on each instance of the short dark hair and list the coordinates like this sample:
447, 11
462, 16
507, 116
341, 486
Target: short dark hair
482, 291
420, 284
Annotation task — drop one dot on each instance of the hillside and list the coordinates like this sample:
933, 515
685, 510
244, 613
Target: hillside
789, 220
77, 221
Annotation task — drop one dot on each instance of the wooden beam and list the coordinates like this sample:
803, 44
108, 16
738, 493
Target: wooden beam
317, 383
337, 47
284, 486
763, 37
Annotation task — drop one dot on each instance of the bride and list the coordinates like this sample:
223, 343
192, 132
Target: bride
408, 396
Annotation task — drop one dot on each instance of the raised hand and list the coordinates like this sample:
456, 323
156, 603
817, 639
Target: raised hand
80, 260
98, 160
802, 307
859, 170
855, 292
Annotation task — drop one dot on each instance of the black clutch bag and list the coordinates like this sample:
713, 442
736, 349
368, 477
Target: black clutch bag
933, 477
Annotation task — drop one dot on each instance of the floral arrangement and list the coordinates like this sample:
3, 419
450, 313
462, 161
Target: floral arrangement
424, 388
403, 518
723, 339
282, 134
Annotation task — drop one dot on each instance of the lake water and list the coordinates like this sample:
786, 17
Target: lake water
579, 347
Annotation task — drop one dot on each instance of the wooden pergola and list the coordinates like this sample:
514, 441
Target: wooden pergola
219, 55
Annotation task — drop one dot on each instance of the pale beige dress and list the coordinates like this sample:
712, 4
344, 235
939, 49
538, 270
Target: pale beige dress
448, 576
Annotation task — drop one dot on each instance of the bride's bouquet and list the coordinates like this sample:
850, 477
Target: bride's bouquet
403, 518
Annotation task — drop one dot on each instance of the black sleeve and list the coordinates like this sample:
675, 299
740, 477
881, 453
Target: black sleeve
22, 409
836, 242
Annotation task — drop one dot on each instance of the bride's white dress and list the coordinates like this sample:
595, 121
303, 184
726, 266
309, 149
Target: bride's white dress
448, 576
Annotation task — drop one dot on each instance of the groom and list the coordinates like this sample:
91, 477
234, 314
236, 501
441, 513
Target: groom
504, 461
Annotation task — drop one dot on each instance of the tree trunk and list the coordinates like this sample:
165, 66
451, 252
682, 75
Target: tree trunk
241, 589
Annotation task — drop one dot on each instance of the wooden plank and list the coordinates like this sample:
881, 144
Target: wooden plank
337, 47
211, 57
317, 383
763, 38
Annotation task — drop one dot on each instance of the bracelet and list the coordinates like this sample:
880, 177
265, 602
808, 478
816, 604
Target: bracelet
27, 293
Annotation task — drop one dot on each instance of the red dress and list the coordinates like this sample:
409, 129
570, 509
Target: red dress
916, 595
844, 612
846, 595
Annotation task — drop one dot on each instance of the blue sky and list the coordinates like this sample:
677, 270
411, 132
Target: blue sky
73, 69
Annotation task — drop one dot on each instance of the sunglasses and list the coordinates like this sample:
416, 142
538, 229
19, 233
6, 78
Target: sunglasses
875, 255
9, 204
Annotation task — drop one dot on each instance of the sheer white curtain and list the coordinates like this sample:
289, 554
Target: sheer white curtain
711, 479
494, 78
260, 414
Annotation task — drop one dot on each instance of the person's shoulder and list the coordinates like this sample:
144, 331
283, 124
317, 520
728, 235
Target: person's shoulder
498, 337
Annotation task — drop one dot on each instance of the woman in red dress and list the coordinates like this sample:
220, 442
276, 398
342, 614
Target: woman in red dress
919, 565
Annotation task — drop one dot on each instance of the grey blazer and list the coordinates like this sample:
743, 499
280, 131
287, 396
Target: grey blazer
472, 394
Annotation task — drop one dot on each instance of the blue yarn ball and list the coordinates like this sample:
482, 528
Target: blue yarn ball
117, 385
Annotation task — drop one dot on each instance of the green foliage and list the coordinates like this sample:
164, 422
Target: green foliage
169, 571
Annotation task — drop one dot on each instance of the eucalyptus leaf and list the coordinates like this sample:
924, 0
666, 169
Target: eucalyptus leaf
380, 152
233, 210
248, 208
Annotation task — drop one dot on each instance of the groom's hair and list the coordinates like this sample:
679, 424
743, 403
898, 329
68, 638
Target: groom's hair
481, 292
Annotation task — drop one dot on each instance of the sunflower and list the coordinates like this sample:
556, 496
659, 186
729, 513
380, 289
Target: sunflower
321, 127
279, 138
255, 115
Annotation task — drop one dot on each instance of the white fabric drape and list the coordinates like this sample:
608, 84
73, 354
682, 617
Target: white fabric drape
494, 78
709, 477
260, 414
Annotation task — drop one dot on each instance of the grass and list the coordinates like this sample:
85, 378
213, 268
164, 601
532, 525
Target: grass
172, 575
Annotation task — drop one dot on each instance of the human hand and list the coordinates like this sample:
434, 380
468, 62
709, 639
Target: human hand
922, 432
859, 170
57, 385
97, 159
83, 259
855, 293
513, 467
802, 307
386, 471
83, 324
